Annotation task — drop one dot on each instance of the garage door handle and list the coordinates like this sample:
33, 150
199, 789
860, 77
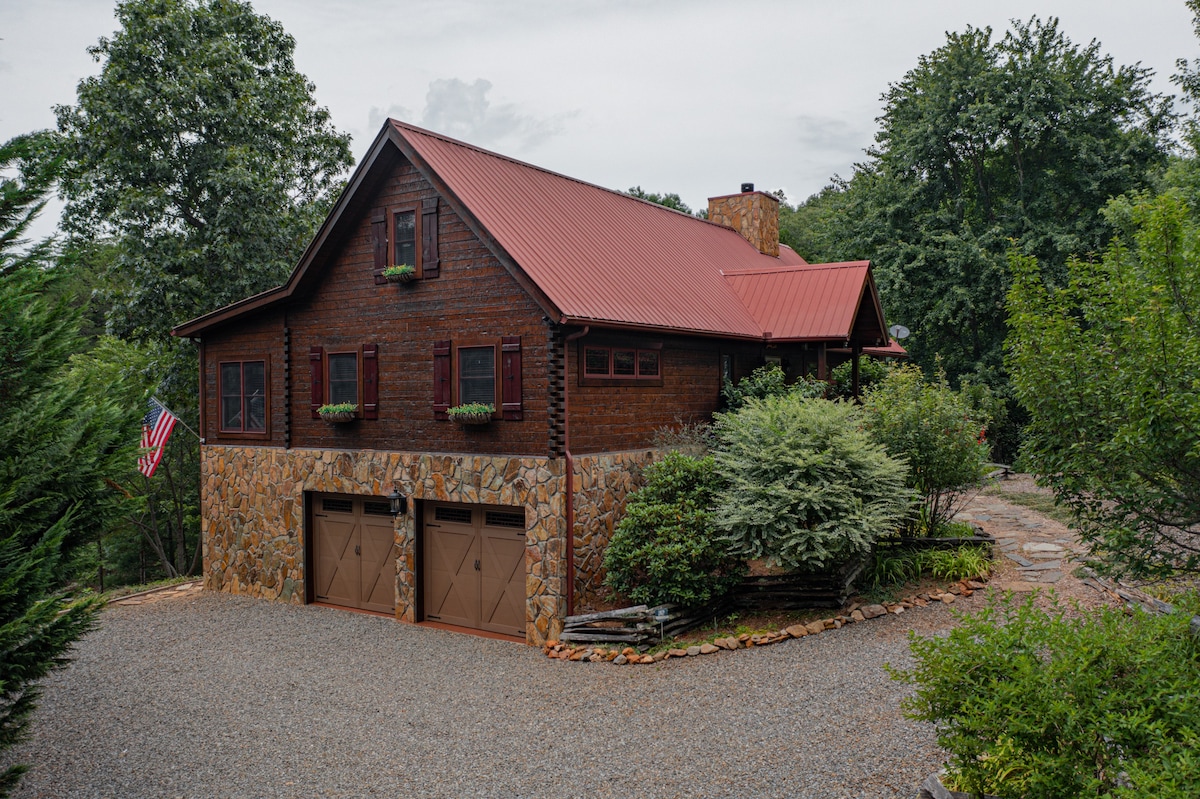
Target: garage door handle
476, 565
357, 549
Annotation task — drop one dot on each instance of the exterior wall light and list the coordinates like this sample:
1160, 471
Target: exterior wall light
397, 502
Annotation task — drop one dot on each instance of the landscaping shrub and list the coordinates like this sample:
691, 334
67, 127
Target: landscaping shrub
1042, 704
841, 377
807, 487
665, 548
897, 566
940, 432
768, 381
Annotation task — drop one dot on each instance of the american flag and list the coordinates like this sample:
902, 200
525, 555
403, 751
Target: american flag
157, 425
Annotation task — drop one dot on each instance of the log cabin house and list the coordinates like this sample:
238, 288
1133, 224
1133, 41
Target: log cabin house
587, 318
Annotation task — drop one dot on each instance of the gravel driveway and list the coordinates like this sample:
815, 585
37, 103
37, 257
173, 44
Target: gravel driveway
211, 695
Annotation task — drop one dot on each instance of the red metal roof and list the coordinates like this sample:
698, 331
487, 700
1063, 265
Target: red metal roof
603, 257
803, 302
598, 256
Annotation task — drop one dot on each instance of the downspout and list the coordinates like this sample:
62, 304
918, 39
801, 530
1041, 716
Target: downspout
570, 466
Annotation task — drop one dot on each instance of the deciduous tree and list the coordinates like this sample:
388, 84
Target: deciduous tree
1109, 368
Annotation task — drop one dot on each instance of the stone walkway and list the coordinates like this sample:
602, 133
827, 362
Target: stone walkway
1034, 552
157, 594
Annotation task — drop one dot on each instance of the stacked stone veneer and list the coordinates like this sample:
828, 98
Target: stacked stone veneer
253, 516
754, 214
602, 485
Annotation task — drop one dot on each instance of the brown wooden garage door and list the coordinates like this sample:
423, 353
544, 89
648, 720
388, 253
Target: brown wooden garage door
354, 552
474, 566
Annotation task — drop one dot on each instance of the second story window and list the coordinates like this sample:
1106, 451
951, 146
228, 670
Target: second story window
477, 375
343, 377
243, 396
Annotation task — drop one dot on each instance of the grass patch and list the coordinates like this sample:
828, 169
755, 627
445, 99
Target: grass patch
1036, 501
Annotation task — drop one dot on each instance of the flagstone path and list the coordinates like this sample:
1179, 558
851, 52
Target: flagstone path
1034, 551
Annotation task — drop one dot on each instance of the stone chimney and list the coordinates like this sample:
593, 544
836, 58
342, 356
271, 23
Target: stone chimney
754, 214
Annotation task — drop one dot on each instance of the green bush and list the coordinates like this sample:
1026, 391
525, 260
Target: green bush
768, 381
665, 548
1043, 704
940, 433
841, 377
807, 487
896, 566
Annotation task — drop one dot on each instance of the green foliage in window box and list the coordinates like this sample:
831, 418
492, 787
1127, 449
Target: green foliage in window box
472, 413
400, 273
807, 487
1054, 704
768, 381
338, 412
938, 431
665, 548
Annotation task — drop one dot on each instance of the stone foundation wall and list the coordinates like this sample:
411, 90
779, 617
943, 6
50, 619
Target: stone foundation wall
252, 516
602, 484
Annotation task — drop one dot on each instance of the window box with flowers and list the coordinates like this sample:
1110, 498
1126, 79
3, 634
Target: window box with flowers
338, 413
400, 273
472, 413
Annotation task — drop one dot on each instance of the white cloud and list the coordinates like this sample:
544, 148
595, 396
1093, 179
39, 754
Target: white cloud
463, 110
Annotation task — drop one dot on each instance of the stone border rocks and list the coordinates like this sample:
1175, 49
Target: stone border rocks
854, 614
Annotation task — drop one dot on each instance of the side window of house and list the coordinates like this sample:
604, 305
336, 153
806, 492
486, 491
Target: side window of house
243, 390
478, 373
346, 376
404, 238
606, 365
343, 378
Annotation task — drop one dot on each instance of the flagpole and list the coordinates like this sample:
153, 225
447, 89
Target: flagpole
160, 404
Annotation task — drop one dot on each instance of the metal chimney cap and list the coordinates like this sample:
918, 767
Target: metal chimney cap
747, 187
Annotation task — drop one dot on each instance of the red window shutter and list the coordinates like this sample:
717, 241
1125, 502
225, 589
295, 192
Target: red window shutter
430, 265
510, 397
316, 358
370, 381
379, 242
441, 379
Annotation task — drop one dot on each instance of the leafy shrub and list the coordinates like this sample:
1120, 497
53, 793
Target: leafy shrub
768, 381
1035, 703
841, 377
665, 548
938, 431
807, 487
894, 566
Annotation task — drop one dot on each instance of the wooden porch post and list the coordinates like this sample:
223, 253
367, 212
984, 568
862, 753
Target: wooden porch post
822, 371
854, 386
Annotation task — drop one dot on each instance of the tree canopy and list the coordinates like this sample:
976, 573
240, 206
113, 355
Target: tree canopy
200, 153
1108, 366
984, 143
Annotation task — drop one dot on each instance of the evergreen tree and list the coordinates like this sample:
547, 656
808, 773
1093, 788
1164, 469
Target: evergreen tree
58, 439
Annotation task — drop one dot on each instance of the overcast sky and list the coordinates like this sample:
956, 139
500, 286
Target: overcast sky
689, 96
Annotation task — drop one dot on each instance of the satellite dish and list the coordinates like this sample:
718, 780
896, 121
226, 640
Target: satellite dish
899, 332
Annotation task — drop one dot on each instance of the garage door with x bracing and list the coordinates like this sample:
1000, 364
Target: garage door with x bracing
354, 552
474, 567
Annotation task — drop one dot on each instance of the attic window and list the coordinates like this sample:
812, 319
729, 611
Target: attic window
404, 238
